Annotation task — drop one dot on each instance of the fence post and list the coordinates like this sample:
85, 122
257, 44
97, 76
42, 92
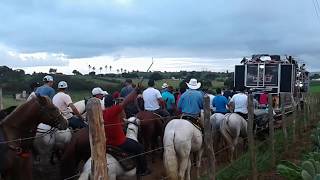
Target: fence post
284, 121
251, 138
208, 138
1, 100
294, 106
271, 130
97, 140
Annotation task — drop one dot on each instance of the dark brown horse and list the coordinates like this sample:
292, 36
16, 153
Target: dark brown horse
152, 128
76, 151
17, 132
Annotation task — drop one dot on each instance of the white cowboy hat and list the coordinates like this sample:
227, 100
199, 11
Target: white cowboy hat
165, 85
98, 90
193, 84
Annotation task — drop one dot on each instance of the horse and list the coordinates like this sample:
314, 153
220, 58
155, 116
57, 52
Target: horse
181, 139
76, 151
152, 127
17, 132
53, 142
232, 127
114, 167
215, 121
5, 112
81, 106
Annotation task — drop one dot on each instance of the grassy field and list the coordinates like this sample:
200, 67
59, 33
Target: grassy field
315, 86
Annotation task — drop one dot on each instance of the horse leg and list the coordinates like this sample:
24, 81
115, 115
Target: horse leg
183, 166
188, 172
199, 157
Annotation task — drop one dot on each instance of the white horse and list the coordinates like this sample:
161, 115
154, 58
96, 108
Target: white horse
81, 106
181, 138
232, 127
114, 168
48, 139
215, 120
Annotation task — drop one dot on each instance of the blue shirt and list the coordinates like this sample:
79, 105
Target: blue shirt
169, 99
45, 90
191, 102
125, 91
220, 103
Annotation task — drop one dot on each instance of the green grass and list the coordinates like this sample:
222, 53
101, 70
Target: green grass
315, 86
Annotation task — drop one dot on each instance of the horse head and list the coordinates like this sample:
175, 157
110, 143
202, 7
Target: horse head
50, 114
133, 128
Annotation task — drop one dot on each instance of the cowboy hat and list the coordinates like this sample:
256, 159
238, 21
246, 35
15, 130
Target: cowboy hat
165, 85
193, 84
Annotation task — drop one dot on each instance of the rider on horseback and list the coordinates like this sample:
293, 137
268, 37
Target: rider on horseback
46, 89
191, 101
153, 99
115, 136
239, 102
220, 102
63, 101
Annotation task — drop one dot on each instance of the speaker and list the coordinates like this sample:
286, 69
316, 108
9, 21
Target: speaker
286, 78
239, 74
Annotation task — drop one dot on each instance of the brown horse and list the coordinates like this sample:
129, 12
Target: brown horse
17, 132
76, 151
152, 128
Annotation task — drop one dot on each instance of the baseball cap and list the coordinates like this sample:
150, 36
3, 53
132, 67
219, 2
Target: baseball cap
98, 90
47, 78
62, 85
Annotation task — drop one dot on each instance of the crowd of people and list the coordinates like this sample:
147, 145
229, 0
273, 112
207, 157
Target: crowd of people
185, 103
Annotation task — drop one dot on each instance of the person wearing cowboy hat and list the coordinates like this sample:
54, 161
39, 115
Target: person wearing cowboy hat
97, 92
46, 89
191, 101
63, 101
164, 87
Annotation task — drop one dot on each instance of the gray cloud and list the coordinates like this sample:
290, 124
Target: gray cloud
167, 28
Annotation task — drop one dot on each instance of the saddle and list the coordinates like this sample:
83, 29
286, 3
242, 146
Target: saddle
194, 121
122, 157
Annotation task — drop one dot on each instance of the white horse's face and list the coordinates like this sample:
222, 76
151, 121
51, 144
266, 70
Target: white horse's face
133, 120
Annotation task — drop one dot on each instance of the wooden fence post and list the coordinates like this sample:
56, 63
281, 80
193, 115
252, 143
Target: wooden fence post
294, 106
97, 140
284, 121
1, 100
208, 138
271, 130
251, 138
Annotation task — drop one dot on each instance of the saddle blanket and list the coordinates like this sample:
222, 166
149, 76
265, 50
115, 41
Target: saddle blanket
122, 157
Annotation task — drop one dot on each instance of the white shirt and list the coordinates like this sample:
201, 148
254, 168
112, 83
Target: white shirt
62, 101
211, 99
150, 97
240, 101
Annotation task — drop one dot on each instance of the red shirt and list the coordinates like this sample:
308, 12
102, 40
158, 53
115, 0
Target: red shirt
113, 127
263, 98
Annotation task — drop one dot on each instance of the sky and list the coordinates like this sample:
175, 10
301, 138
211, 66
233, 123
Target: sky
211, 35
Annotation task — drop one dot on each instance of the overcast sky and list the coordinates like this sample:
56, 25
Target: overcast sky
181, 35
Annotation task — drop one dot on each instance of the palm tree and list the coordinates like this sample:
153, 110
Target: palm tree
106, 67
118, 71
125, 71
94, 69
89, 66
121, 70
110, 67
100, 68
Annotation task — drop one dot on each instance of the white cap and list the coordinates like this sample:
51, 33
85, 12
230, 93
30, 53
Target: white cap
47, 78
98, 90
62, 85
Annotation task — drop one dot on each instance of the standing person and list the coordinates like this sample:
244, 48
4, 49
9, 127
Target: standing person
127, 88
220, 102
239, 102
46, 89
33, 87
113, 115
168, 98
153, 99
191, 101
63, 101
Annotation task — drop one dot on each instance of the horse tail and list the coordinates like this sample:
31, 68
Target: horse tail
225, 130
170, 156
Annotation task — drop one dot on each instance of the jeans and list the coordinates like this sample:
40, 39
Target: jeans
76, 123
133, 147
